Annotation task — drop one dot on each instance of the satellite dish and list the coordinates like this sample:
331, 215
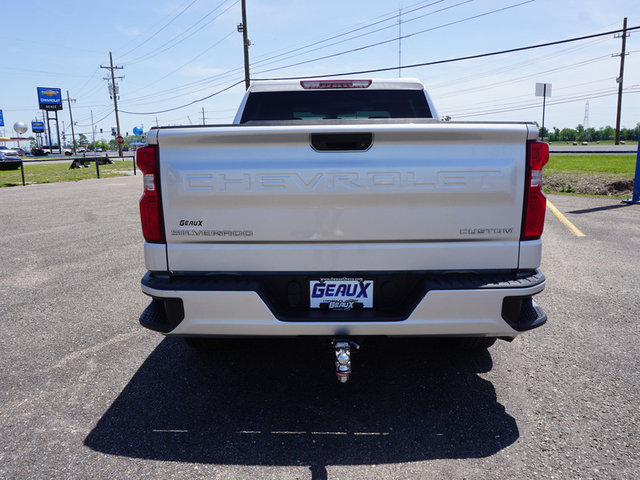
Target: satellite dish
20, 127
137, 130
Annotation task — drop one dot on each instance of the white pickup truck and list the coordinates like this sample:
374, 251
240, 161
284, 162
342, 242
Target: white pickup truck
343, 209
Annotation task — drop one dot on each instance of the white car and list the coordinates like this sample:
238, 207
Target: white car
9, 152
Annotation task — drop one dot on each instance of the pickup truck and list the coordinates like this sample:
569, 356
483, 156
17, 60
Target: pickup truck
343, 209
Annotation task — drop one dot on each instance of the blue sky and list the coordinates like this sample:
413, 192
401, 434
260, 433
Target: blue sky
178, 51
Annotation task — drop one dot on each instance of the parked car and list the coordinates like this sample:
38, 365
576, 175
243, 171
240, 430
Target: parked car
39, 152
9, 162
12, 152
67, 151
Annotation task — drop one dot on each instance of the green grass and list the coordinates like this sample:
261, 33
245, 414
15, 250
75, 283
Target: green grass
619, 165
60, 172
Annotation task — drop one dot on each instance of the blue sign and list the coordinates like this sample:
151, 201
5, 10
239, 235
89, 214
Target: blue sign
37, 127
1, 119
50, 98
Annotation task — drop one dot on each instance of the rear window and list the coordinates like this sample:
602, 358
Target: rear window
335, 104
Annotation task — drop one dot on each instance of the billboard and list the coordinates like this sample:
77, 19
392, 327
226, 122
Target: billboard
37, 127
1, 119
50, 98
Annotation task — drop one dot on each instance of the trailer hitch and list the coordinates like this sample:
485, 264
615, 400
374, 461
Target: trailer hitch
342, 351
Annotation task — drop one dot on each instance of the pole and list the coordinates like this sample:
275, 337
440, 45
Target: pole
93, 130
115, 96
544, 106
636, 182
58, 132
620, 78
399, 43
203, 121
115, 102
245, 41
73, 133
46, 114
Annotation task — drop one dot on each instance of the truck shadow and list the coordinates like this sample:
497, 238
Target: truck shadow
278, 403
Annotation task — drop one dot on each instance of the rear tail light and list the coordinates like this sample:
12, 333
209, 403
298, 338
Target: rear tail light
535, 203
150, 207
319, 84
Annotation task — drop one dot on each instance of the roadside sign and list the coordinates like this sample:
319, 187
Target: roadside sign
49, 98
120, 139
1, 119
37, 127
543, 89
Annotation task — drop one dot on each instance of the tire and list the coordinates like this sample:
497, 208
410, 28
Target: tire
474, 344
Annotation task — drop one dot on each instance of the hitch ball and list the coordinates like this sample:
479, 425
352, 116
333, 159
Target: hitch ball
342, 350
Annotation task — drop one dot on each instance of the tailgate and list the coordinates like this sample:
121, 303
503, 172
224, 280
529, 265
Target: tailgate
435, 196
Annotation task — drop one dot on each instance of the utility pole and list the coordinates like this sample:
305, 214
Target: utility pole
400, 43
620, 78
73, 133
114, 91
93, 130
203, 121
242, 27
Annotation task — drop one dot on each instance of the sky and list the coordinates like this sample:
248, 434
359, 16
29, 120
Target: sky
176, 53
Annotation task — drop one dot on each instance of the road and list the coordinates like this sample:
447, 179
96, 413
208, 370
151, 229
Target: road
88, 393
592, 148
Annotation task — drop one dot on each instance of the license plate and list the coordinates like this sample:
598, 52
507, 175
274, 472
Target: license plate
341, 293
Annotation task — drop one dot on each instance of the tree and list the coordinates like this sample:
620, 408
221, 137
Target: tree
544, 133
607, 133
568, 135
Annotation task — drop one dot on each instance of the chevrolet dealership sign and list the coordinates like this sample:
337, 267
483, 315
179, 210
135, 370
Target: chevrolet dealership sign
50, 98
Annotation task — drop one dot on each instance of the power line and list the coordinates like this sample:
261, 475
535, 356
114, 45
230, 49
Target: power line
262, 61
436, 62
98, 121
163, 48
186, 104
390, 18
456, 59
193, 59
395, 39
231, 72
537, 105
159, 30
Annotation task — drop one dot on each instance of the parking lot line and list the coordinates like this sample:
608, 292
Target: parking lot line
572, 228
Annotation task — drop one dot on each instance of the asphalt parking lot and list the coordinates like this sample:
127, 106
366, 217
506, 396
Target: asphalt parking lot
88, 393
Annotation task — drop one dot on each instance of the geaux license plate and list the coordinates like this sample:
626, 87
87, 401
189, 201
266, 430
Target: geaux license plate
341, 293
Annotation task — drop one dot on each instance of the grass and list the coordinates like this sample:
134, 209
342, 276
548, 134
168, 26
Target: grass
618, 165
60, 172
610, 175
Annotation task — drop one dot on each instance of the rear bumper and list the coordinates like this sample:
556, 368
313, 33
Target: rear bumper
438, 304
